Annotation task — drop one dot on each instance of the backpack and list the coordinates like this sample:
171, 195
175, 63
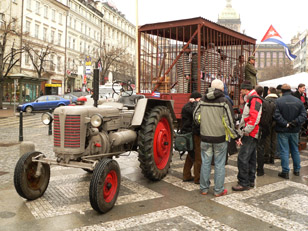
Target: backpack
268, 109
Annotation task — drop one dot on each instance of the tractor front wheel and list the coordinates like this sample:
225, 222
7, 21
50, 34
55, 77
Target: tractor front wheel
26, 183
105, 185
155, 141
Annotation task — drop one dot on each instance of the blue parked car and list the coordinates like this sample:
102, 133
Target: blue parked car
70, 97
44, 102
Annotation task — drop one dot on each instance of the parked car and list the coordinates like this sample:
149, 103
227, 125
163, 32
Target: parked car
71, 97
44, 102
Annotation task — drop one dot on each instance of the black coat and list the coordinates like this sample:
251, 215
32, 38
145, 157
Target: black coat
188, 124
288, 109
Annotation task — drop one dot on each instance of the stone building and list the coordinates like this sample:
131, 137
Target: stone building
229, 18
299, 48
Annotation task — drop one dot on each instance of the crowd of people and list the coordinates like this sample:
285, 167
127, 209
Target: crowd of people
269, 128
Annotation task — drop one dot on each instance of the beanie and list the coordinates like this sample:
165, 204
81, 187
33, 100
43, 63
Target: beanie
218, 84
246, 85
195, 95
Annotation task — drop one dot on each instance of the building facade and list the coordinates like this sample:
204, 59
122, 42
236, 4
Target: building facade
67, 37
230, 18
299, 48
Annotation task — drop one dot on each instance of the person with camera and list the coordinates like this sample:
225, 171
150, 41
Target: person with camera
289, 115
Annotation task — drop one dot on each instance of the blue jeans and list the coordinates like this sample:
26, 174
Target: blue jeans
219, 150
288, 142
246, 161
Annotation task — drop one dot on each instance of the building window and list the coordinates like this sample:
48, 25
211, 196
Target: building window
36, 31
59, 63
60, 18
53, 15
28, 24
29, 3
80, 47
59, 38
75, 23
52, 65
69, 42
74, 42
37, 7
81, 27
45, 34
52, 36
27, 59
45, 11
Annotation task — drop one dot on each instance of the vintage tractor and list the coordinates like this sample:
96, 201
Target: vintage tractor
89, 137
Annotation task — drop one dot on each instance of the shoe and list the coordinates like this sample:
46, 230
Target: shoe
260, 173
284, 175
252, 185
189, 179
296, 173
198, 182
240, 188
203, 193
272, 161
222, 193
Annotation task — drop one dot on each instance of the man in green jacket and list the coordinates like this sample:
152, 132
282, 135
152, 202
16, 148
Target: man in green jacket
250, 71
215, 115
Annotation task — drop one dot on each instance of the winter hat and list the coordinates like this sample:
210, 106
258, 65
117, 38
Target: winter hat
218, 84
195, 95
246, 85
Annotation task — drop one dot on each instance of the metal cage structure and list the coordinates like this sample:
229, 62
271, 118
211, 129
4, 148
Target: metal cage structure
178, 57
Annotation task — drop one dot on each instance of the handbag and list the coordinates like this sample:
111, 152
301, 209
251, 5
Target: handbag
184, 142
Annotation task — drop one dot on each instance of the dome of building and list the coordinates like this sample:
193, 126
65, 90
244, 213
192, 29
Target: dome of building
228, 12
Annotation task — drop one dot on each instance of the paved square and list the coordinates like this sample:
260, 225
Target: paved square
282, 204
178, 218
70, 193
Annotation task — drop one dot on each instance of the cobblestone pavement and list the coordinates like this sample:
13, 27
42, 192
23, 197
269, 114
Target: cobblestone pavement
170, 204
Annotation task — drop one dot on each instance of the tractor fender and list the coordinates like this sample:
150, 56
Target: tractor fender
146, 104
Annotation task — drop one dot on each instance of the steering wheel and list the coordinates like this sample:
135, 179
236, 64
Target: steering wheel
122, 88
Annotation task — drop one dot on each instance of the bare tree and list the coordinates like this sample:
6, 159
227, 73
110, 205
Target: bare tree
40, 57
111, 58
277, 71
9, 56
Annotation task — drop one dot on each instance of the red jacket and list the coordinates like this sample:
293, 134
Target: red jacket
251, 116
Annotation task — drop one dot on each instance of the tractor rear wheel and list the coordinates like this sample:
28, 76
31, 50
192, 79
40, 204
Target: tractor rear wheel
105, 185
26, 183
155, 141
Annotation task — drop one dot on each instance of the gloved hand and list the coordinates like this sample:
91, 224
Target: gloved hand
292, 124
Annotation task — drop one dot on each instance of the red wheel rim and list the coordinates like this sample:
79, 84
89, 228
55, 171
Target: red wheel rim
110, 186
162, 143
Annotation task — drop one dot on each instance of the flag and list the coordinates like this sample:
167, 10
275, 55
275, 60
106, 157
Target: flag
156, 94
272, 36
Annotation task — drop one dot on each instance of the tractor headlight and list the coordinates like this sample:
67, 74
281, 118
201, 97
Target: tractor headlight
46, 118
96, 120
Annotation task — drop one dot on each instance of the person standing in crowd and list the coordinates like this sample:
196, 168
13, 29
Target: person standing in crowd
239, 69
215, 115
183, 68
300, 94
271, 139
251, 72
194, 157
264, 129
290, 114
211, 62
249, 128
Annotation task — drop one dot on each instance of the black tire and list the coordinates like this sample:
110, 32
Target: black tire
155, 141
26, 184
28, 109
105, 185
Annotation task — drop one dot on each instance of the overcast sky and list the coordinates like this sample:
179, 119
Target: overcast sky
288, 17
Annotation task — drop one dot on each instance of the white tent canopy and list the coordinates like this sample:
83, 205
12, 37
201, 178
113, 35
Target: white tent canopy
292, 80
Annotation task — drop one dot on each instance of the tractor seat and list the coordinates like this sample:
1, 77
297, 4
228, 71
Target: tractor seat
130, 101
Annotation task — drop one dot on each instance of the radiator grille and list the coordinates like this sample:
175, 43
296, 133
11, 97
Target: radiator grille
56, 131
72, 131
